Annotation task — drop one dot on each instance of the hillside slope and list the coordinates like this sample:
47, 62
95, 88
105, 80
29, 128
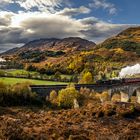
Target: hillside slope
128, 40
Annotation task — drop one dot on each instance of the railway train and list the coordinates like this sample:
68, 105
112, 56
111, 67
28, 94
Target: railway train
118, 81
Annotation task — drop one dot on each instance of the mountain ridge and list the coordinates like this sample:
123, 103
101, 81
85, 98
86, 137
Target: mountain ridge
54, 44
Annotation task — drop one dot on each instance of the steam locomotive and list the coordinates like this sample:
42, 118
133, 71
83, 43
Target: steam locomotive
118, 81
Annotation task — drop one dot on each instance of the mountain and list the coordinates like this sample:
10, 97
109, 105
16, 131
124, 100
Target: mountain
128, 40
58, 44
74, 55
48, 50
70, 44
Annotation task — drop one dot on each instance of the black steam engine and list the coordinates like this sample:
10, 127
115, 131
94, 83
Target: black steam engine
118, 81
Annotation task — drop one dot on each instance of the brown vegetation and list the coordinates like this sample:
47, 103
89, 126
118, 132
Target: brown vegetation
107, 121
96, 119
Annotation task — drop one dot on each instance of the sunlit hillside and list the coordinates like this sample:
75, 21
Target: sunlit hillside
128, 40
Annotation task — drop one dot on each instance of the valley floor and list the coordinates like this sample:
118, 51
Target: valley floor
102, 122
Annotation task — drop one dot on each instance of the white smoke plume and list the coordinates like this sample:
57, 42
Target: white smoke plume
130, 70
2, 60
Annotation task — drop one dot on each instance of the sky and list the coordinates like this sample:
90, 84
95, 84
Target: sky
22, 21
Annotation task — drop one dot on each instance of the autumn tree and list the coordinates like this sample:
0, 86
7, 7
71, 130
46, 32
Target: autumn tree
57, 75
67, 96
30, 67
86, 78
102, 75
114, 74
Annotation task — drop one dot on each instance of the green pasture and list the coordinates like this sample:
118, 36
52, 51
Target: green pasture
12, 81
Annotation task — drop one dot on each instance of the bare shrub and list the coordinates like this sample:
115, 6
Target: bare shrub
53, 99
85, 91
53, 95
103, 96
116, 98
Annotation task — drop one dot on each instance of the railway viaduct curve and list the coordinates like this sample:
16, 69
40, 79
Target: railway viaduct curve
126, 90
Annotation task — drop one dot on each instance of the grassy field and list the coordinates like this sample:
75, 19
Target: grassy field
12, 81
18, 72
15, 72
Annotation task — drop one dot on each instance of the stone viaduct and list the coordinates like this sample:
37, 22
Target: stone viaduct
126, 90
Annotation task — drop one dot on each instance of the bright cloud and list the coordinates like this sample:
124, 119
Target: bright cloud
42, 5
74, 11
33, 25
105, 5
5, 1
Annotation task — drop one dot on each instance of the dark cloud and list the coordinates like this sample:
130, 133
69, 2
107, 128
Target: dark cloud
5, 18
98, 30
7, 46
53, 26
26, 26
4, 21
57, 26
12, 35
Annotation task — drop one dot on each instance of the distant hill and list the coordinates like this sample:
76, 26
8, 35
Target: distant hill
41, 50
128, 40
70, 44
